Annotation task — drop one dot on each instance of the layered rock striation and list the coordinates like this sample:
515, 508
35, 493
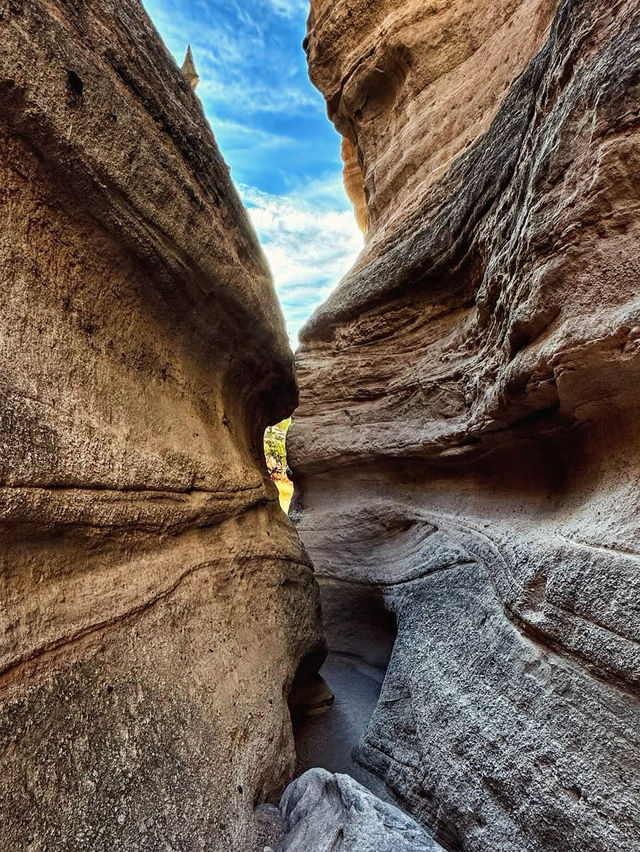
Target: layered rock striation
466, 450
156, 603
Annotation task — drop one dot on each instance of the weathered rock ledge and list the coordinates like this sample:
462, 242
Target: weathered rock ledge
326, 813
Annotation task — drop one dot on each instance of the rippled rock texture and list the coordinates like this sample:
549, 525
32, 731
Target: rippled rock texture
467, 451
155, 602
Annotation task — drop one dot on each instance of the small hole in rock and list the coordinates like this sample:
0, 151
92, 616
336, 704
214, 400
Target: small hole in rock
74, 82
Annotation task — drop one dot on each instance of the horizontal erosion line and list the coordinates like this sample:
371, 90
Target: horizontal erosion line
149, 512
39, 655
102, 489
383, 584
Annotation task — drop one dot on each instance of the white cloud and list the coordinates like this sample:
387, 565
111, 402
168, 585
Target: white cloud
229, 58
245, 135
324, 191
309, 249
252, 98
289, 8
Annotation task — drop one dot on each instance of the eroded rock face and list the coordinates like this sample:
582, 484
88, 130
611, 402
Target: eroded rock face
411, 84
156, 603
467, 445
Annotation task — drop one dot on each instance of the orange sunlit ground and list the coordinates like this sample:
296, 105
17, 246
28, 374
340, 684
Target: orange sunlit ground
285, 489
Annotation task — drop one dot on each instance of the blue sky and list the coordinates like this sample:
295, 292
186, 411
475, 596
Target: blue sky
271, 126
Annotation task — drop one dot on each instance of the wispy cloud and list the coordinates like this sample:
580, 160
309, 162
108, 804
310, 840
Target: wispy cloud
309, 250
290, 8
240, 56
257, 98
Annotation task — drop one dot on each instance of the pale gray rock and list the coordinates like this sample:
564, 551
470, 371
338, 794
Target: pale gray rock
328, 813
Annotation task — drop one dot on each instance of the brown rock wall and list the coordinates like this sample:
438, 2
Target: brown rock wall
155, 602
402, 78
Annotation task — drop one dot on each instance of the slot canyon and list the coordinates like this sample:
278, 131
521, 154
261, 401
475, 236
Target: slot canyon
439, 648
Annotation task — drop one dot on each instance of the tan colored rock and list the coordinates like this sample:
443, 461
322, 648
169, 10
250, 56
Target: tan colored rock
354, 184
412, 84
466, 450
155, 602
189, 69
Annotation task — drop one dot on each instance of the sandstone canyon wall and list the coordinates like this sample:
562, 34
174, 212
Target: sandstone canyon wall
155, 602
467, 450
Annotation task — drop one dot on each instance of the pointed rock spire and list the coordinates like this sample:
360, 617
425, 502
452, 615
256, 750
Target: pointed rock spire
189, 69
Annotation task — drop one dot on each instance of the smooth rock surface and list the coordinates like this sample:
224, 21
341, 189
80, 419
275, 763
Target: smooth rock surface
155, 602
466, 454
322, 812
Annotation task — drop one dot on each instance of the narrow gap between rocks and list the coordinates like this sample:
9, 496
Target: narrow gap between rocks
328, 733
275, 454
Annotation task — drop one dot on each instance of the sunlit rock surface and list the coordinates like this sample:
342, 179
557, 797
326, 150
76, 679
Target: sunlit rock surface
155, 601
466, 452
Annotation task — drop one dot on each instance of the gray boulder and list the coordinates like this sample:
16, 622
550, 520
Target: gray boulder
322, 812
